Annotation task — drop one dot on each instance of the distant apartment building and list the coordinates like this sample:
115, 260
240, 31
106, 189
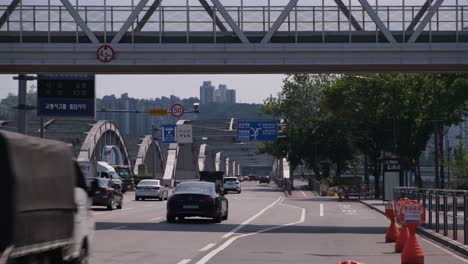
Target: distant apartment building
207, 93
231, 96
222, 95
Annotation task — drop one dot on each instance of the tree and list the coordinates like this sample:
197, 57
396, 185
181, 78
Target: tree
459, 164
309, 135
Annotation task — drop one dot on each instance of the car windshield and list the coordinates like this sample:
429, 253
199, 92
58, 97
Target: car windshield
123, 172
198, 187
148, 183
230, 179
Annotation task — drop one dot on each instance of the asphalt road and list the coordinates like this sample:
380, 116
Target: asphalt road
263, 227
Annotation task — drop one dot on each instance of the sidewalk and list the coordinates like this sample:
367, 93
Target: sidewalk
456, 246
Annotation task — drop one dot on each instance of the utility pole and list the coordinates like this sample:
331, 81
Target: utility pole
22, 107
153, 134
436, 132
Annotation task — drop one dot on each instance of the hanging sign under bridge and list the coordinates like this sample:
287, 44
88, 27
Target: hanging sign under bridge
69, 95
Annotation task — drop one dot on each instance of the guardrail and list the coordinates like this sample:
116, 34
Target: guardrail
446, 210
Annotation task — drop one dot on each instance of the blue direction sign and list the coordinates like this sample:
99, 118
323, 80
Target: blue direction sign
69, 95
257, 131
169, 134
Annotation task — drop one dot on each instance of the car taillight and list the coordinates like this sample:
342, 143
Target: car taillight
105, 190
175, 198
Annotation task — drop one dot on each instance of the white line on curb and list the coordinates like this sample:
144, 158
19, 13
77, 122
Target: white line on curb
237, 228
208, 246
321, 209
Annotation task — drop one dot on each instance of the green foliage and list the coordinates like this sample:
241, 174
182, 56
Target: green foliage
138, 178
309, 134
459, 165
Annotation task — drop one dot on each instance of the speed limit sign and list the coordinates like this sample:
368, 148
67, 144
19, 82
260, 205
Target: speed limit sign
105, 53
177, 110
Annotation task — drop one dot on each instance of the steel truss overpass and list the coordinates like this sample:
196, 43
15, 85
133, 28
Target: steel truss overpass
234, 36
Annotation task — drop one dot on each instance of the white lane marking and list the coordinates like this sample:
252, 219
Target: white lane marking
149, 205
184, 261
117, 228
321, 209
208, 247
154, 219
237, 228
125, 209
303, 193
228, 242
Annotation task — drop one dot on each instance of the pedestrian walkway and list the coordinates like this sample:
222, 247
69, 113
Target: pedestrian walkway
447, 241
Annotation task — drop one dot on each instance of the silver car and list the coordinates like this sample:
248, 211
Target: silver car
150, 189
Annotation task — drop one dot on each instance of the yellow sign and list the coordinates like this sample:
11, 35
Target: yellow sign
156, 112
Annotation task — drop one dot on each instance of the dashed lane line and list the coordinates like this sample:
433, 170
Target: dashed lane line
184, 261
321, 210
208, 247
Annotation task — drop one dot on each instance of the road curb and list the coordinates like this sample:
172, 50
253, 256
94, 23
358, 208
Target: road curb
438, 238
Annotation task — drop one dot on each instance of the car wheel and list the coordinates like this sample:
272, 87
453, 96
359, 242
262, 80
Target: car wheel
137, 198
161, 198
226, 216
217, 219
120, 205
239, 191
83, 257
142, 198
170, 219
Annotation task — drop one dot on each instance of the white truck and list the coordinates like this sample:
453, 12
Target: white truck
100, 169
44, 201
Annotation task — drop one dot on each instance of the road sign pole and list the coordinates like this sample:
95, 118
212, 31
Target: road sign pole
22, 114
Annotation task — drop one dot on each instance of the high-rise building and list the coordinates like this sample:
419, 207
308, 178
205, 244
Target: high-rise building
231, 96
207, 93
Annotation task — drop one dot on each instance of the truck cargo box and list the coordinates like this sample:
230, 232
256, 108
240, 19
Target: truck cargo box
37, 193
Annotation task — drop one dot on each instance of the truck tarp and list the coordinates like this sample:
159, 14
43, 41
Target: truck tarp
38, 179
216, 177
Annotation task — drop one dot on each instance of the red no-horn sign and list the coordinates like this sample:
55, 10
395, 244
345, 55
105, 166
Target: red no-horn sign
105, 53
177, 110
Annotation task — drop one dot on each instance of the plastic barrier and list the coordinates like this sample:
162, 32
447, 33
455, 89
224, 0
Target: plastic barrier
404, 234
392, 232
412, 215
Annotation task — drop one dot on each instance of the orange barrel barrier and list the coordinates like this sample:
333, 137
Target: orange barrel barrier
392, 232
404, 234
412, 215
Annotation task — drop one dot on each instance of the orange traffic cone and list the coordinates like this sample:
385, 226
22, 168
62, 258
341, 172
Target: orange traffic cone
392, 233
400, 243
412, 253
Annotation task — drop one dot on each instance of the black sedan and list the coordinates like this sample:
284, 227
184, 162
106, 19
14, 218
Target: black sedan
105, 192
191, 199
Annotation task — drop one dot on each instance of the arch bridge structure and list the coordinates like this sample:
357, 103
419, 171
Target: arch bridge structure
104, 136
236, 36
149, 160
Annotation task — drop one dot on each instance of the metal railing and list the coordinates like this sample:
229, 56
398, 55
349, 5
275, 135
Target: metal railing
253, 20
446, 210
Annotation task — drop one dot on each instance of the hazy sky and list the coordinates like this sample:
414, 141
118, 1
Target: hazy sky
251, 88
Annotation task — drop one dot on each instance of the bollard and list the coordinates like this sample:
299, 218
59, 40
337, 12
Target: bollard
413, 214
392, 232
402, 238
412, 253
